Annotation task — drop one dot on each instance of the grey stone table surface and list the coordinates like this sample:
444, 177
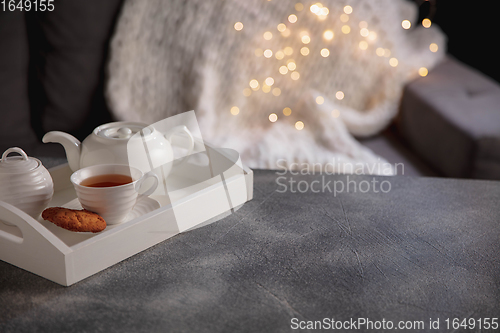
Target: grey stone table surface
427, 249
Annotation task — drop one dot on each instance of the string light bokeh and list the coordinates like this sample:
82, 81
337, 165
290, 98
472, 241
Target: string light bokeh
289, 69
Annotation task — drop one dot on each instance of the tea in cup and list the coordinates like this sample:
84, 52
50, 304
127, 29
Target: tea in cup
111, 190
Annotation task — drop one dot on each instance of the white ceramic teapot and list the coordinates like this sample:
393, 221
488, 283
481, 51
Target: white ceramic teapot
109, 144
24, 182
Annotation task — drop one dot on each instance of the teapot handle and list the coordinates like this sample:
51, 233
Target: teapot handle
14, 150
181, 130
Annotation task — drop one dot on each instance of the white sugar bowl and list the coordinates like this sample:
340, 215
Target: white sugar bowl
24, 182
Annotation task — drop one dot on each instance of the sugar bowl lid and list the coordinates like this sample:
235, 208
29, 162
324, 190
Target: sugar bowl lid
17, 164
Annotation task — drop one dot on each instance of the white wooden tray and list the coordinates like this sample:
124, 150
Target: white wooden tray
201, 190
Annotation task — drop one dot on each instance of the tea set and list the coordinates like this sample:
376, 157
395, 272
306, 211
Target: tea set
119, 148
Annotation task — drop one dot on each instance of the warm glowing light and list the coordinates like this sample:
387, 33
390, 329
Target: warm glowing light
291, 65
279, 55
393, 62
422, 71
306, 39
268, 35
320, 100
287, 111
379, 51
266, 88
288, 50
286, 33
363, 24
304, 51
268, 53
339, 95
372, 35
348, 9
324, 53
346, 29
283, 70
247, 92
335, 113
273, 117
281, 27
254, 83
269, 81
238, 26
364, 32
259, 52
406, 24
363, 45
314, 9
433, 47
426, 23
344, 18
295, 76
292, 18
299, 125
324, 11
328, 35
299, 7
276, 92
235, 110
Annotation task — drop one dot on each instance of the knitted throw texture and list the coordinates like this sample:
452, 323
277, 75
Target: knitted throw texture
171, 56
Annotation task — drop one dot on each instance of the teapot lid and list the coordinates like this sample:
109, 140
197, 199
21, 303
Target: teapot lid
121, 130
17, 164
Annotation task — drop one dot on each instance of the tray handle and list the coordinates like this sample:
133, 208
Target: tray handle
30, 232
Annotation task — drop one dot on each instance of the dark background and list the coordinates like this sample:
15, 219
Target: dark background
471, 27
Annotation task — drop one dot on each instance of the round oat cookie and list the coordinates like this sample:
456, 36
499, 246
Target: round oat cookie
74, 220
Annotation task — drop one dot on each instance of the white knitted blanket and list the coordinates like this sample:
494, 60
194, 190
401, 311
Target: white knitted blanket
171, 56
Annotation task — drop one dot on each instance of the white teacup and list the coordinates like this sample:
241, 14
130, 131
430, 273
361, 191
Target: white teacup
113, 203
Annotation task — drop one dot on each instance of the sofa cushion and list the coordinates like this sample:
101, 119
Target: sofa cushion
15, 124
68, 50
451, 118
391, 147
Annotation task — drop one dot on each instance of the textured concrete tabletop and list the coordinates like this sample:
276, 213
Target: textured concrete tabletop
426, 250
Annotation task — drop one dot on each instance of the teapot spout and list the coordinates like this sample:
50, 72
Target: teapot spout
71, 145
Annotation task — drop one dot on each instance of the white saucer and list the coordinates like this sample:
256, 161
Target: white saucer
142, 207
